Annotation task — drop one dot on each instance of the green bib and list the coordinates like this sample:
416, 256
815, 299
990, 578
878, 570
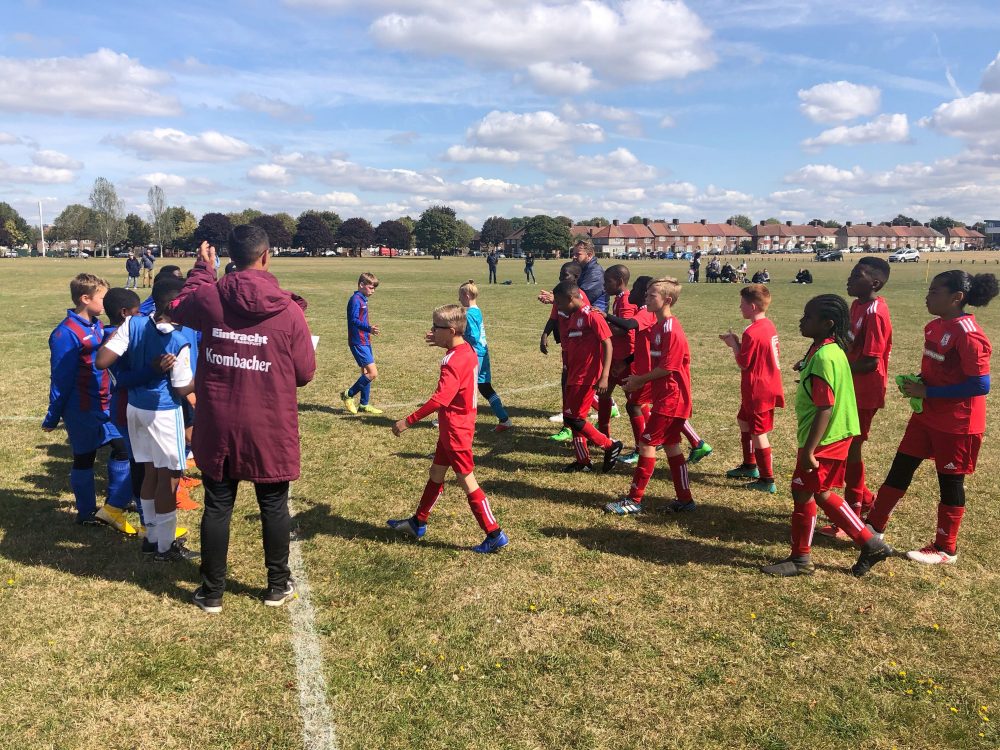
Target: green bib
829, 363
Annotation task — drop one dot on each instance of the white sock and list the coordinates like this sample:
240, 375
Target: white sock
149, 519
166, 530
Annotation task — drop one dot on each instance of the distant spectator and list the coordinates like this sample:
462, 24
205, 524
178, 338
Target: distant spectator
695, 267
147, 261
728, 274
492, 258
529, 268
804, 276
132, 268
712, 271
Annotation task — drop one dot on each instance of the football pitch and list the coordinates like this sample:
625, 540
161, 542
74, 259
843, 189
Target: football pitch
589, 631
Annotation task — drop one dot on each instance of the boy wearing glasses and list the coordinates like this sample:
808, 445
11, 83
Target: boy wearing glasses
455, 404
359, 339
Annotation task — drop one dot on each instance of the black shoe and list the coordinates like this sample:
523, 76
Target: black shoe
575, 467
874, 551
676, 506
90, 519
791, 566
611, 455
177, 553
148, 547
210, 604
276, 597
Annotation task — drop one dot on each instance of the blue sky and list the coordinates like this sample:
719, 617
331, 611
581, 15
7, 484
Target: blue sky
585, 108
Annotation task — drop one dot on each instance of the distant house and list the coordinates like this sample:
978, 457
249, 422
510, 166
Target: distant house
770, 238
961, 238
654, 237
888, 238
917, 236
993, 231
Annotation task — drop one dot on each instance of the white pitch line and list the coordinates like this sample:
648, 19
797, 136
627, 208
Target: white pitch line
318, 730
23, 419
526, 389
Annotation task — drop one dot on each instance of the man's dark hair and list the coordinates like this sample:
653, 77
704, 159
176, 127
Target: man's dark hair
165, 290
247, 243
119, 299
878, 265
168, 271
566, 290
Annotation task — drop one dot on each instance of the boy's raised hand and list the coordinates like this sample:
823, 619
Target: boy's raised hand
400, 427
545, 297
206, 253
729, 338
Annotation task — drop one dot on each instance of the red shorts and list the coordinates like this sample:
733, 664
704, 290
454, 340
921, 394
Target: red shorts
865, 417
662, 430
828, 476
577, 400
760, 422
952, 453
457, 457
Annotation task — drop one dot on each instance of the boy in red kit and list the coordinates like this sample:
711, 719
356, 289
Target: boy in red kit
954, 381
455, 404
871, 342
827, 422
556, 324
587, 350
670, 392
760, 387
620, 307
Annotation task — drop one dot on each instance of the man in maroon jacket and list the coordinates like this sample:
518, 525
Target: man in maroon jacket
255, 350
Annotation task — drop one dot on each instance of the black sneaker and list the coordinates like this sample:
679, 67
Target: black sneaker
575, 467
276, 597
177, 553
791, 566
677, 506
210, 604
88, 519
148, 547
874, 551
611, 455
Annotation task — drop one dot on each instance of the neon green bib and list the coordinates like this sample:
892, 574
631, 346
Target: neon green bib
829, 363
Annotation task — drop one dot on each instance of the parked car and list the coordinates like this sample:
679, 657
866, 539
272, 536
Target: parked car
299, 254
10, 253
120, 254
828, 255
906, 255
633, 255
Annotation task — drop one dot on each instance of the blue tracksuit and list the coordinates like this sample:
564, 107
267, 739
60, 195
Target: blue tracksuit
359, 330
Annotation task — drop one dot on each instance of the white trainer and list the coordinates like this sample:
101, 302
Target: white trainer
931, 555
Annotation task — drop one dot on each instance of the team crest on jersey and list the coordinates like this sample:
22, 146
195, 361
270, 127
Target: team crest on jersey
945, 339
579, 322
657, 340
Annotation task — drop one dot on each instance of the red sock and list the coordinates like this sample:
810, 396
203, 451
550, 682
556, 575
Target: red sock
885, 503
679, 473
482, 511
846, 519
692, 437
803, 525
432, 491
855, 490
641, 476
638, 425
949, 519
763, 457
647, 409
597, 437
581, 449
747, 443
866, 503
604, 414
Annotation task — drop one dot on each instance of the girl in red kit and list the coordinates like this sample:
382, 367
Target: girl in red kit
955, 371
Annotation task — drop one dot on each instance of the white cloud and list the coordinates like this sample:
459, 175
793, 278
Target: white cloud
562, 46
174, 182
272, 174
284, 200
617, 169
176, 145
685, 190
667, 122
823, 173
485, 188
481, 154
102, 84
532, 131
991, 77
883, 129
270, 106
55, 159
974, 118
336, 171
8, 139
839, 101
35, 175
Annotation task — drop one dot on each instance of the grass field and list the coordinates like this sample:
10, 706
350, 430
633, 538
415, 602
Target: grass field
588, 632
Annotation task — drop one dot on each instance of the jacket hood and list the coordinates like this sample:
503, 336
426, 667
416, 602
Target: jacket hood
255, 294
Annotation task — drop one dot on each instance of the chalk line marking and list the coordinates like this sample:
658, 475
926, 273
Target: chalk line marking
318, 730
525, 389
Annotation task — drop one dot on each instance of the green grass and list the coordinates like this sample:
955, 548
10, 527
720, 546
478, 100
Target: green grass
589, 632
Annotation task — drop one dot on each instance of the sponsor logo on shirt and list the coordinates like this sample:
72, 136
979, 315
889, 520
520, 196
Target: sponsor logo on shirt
235, 360
934, 355
945, 339
250, 339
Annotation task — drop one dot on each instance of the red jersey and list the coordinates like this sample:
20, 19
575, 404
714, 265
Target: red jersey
870, 336
668, 349
455, 397
954, 350
585, 330
622, 345
563, 318
641, 363
760, 380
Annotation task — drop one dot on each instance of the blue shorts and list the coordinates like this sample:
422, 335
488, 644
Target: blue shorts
88, 431
362, 354
484, 369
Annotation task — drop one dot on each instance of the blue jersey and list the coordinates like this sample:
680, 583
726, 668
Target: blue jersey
125, 375
475, 330
359, 330
147, 343
76, 385
147, 306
